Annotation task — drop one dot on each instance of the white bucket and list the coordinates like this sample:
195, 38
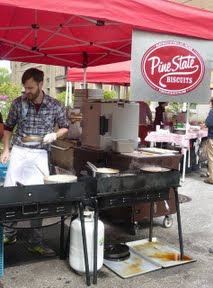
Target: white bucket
61, 178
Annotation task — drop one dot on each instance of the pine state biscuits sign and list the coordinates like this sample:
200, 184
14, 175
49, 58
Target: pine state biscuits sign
172, 67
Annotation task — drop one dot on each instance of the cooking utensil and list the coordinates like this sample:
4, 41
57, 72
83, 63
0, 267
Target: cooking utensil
61, 148
32, 140
92, 166
60, 178
116, 252
105, 170
40, 170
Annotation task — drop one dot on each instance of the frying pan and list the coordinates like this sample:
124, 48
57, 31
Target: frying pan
153, 169
32, 140
103, 171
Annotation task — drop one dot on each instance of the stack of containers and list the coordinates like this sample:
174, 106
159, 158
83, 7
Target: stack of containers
125, 119
84, 95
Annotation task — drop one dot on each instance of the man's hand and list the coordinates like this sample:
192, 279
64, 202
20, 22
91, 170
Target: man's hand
4, 157
49, 138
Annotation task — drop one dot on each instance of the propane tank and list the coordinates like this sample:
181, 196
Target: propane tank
76, 253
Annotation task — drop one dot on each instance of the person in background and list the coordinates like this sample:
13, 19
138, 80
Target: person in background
209, 145
33, 113
145, 118
144, 113
159, 113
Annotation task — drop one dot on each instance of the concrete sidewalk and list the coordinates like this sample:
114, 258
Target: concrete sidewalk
197, 225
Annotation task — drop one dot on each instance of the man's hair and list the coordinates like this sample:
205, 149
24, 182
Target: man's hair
34, 73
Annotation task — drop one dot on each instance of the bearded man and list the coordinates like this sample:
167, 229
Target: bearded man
33, 113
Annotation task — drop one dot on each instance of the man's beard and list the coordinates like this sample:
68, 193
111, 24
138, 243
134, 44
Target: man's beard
33, 96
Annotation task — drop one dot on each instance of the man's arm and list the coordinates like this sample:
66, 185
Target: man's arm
6, 147
61, 132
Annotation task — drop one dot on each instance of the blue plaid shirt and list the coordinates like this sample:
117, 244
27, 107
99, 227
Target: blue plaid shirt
28, 121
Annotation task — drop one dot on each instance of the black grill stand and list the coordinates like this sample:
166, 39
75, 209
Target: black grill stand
81, 210
96, 209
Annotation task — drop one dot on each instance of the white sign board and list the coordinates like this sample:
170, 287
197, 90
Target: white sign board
167, 68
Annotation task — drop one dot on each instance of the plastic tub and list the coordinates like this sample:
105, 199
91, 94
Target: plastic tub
123, 146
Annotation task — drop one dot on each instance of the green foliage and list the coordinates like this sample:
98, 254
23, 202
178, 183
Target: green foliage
174, 107
109, 94
4, 75
61, 97
12, 91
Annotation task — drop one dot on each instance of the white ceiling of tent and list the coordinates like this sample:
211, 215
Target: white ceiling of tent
202, 4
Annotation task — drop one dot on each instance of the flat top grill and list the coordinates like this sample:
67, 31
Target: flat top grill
110, 191
141, 182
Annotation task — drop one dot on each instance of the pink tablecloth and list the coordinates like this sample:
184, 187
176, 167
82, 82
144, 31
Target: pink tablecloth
181, 140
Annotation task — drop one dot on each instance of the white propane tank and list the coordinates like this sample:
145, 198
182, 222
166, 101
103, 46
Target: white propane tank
76, 253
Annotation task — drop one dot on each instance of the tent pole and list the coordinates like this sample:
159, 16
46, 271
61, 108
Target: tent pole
70, 95
187, 129
66, 97
186, 149
85, 64
126, 93
85, 77
119, 93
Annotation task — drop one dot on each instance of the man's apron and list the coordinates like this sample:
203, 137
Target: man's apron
25, 165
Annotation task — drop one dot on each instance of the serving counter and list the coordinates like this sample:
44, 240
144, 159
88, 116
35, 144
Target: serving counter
183, 141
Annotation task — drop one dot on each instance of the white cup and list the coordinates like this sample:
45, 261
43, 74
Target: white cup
157, 128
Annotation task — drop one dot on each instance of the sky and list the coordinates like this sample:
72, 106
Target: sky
5, 64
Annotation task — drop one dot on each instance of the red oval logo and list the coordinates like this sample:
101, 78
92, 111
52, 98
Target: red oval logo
172, 67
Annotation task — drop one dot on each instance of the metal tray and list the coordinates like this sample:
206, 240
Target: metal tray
32, 140
160, 151
158, 252
133, 266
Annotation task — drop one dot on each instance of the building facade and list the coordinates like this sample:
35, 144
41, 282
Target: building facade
55, 78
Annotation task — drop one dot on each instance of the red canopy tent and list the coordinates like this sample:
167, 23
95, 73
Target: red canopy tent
116, 73
82, 33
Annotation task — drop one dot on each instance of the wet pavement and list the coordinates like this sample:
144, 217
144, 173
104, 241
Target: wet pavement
24, 271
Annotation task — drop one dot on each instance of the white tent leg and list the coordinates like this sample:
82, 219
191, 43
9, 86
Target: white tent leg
67, 91
70, 95
184, 164
187, 130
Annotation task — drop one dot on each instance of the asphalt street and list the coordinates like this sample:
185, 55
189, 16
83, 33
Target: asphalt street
197, 225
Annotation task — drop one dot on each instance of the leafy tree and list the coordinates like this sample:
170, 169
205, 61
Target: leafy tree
12, 91
4, 75
61, 97
174, 107
108, 95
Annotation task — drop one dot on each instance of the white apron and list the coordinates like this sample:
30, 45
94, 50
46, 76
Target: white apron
23, 166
